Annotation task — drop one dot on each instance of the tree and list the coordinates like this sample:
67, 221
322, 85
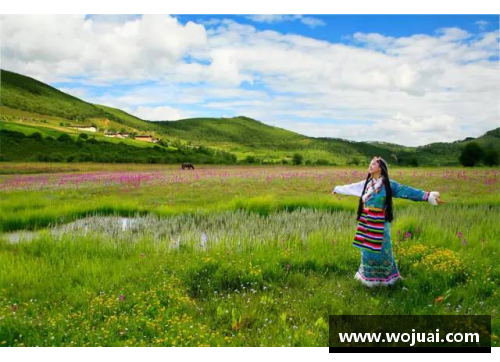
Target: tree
297, 159
411, 161
64, 138
36, 135
250, 159
472, 153
322, 162
491, 157
354, 161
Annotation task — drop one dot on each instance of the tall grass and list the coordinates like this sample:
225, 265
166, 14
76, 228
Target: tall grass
238, 278
232, 256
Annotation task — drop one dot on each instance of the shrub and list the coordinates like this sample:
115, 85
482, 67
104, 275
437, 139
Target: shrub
297, 159
471, 154
36, 136
322, 161
250, 159
64, 138
491, 157
354, 161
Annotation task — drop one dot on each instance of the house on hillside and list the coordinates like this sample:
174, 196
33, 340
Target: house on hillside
117, 135
147, 138
85, 128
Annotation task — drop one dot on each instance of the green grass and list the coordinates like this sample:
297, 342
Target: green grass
277, 262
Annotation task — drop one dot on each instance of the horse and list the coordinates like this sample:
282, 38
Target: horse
188, 166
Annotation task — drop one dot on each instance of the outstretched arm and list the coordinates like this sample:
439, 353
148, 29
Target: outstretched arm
410, 193
354, 189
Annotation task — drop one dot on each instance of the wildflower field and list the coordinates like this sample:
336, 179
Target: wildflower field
150, 255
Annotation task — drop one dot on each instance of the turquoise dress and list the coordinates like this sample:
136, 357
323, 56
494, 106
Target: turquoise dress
378, 266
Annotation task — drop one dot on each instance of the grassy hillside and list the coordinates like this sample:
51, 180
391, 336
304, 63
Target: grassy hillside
28, 97
18, 146
28, 94
132, 122
446, 154
242, 130
29, 106
245, 136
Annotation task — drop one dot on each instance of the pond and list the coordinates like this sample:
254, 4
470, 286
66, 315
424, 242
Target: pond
201, 230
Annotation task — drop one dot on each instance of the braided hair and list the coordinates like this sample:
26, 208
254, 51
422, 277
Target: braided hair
388, 191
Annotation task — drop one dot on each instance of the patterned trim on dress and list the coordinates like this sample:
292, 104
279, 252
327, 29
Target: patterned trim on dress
371, 282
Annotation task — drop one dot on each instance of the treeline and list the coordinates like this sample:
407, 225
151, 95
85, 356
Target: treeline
473, 154
16, 146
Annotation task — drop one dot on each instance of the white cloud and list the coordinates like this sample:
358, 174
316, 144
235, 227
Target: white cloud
451, 34
52, 47
423, 131
482, 24
162, 113
77, 92
414, 89
277, 18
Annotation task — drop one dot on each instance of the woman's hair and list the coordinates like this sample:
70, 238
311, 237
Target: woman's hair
388, 191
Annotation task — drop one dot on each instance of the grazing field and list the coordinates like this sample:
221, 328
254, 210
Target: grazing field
113, 255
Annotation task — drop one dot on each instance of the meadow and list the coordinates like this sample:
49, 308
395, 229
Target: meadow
150, 255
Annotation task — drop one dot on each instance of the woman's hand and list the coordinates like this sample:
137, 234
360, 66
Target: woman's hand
435, 198
439, 201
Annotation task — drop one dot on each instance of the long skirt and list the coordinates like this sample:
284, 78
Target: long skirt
379, 268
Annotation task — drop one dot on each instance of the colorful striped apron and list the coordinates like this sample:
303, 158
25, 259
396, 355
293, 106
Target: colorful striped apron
370, 230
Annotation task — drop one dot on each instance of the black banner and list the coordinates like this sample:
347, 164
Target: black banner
450, 333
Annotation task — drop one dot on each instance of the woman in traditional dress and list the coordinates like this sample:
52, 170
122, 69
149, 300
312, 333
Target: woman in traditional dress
373, 234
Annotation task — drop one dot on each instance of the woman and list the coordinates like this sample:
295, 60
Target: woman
373, 237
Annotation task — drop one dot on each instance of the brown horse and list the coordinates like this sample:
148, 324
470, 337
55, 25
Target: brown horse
188, 166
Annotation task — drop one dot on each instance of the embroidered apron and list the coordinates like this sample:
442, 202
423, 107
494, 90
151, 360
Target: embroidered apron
370, 230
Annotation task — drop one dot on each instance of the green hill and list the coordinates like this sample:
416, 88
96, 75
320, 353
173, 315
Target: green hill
241, 130
29, 106
31, 97
28, 94
444, 154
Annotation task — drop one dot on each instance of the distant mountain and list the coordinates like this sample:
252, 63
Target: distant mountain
29, 103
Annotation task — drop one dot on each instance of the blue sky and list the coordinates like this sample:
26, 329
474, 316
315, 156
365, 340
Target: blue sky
411, 79
339, 28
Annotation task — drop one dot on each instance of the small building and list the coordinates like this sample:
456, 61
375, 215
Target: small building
148, 138
85, 128
117, 135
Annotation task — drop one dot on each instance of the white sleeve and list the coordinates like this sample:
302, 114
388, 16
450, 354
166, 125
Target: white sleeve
432, 198
354, 189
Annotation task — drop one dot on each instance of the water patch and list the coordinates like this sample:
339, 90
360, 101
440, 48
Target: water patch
201, 231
